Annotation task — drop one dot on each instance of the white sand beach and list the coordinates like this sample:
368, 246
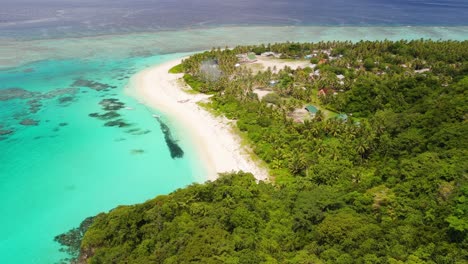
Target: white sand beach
218, 147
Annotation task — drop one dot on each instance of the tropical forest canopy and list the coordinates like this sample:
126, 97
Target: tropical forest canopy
385, 184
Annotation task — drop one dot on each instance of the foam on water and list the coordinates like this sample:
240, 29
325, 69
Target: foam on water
70, 166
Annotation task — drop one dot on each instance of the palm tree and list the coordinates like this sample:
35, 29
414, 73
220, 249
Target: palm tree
319, 116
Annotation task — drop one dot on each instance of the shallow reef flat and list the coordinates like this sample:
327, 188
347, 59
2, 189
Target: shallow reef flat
19, 52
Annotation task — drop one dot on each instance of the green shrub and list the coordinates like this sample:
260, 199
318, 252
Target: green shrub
179, 68
193, 82
272, 98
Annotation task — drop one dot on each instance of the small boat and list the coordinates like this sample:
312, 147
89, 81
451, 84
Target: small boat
183, 101
128, 108
156, 116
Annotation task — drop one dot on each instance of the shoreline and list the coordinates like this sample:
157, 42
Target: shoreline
218, 147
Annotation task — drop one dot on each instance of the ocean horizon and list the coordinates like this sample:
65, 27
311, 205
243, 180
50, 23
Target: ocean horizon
29, 19
68, 131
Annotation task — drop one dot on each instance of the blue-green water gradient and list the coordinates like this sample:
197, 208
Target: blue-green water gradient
54, 175
70, 166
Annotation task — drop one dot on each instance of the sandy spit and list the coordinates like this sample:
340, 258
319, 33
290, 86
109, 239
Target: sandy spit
218, 147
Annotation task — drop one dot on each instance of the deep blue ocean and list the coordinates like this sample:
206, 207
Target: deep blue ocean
73, 143
56, 18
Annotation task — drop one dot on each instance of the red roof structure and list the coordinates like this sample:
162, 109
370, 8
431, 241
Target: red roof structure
325, 91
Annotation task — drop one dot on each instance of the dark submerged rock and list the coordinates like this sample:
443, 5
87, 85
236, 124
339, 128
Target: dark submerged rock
90, 84
133, 130
107, 116
137, 131
174, 148
29, 122
117, 123
111, 104
34, 105
59, 92
6, 132
141, 132
35, 97
63, 124
137, 151
15, 93
65, 100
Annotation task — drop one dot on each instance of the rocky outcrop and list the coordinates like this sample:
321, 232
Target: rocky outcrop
71, 240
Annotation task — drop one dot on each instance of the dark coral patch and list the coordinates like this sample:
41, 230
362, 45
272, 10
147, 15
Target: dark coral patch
133, 130
137, 151
138, 131
29, 122
65, 100
15, 93
71, 241
6, 132
107, 116
111, 104
117, 123
35, 97
91, 84
34, 105
59, 92
174, 148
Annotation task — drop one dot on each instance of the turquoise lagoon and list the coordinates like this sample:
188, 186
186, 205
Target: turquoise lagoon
70, 165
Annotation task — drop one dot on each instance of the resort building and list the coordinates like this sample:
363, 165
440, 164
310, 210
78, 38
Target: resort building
326, 91
342, 117
312, 110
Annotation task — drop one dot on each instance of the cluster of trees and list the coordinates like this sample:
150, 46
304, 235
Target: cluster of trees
388, 187
236, 220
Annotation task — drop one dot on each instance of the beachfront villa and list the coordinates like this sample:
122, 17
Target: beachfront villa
312, 110
326, 91
343, 117
247, 57
270, 54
